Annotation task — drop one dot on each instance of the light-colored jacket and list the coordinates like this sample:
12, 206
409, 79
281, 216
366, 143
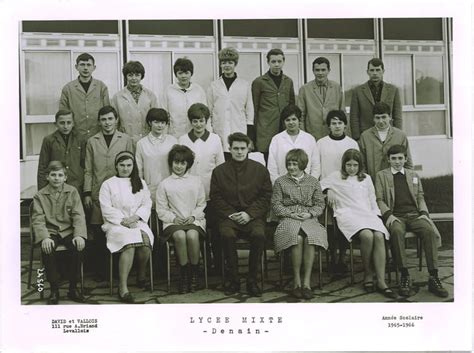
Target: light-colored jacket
132, 114
231, 110
176, 103
85, 106
315, 109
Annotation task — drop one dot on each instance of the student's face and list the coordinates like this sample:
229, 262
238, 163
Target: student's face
276, 63
375, 73
239, 151
184, 78
382, 121
397, 161
179, 167
292, 124
158, 127
293, 168
56, 178
134, 79
85, 68
228, 68
124, 168
108, 123
321, 72
198, 125
337, 127
65, 123
352, 167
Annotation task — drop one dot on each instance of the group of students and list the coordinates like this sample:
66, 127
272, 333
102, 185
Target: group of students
188, 158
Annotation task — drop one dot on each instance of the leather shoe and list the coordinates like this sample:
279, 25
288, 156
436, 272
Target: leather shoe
53, 297
296, 292
307, 293
231, 288
253, 289
76, 296
126, 298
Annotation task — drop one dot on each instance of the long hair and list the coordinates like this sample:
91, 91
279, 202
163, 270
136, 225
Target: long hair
135, 180
352, 154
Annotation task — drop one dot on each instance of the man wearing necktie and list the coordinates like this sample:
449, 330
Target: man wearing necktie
317, 98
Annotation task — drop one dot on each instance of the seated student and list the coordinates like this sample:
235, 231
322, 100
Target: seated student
179, 96
58, 219
331, 148
298, 201
351, 195
375, 141
240, 196
292, 137
134, 101
101, 150
126, 205
67, 146
401, 201
180, 203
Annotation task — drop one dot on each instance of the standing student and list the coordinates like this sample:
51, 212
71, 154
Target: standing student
134, 101
58, 219
230, 100
365, 96
67, 146
318, 97
271, 92
84, 97
179, 96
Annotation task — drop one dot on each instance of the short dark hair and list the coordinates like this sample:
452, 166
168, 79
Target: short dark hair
54, 166
239, 137
297, 155
85, 57
352, 154
381, 108
180, 153
133, 67
63, 112
135, 180
396, 149
340, 114
322, 60
106, 110
198, 111
157, 114
375, 62
289, 110
275, 51
184, 65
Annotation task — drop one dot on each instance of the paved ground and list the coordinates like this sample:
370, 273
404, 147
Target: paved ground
334, 290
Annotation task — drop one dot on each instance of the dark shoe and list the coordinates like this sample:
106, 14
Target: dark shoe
435, 287
193, 279
232, 288
296, 292
76, 296
183, 279
126, 298
53, 297
387, 293
253, 289
369, 287
405, 286
307, 293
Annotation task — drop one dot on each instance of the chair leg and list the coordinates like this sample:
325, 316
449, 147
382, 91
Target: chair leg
420, 250
352, 262
42, 266
262, 268
168, 267
81, 269
205, 264
30, 268
265, 261
222, 265
111, 284
388, 264
281, 269
320, 259
151, 272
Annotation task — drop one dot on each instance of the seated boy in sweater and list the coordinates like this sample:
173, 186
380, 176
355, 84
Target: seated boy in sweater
58, 219
402, 204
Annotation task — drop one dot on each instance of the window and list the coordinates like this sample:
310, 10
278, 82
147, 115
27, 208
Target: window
398, 71
429, 80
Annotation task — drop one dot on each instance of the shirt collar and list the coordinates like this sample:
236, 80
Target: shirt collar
395, 171
324, 84
174, 176
193, 137
48, 190
372, 85
154, 139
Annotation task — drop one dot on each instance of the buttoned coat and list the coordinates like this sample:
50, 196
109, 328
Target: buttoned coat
362, 106
268, 101
100, 165
85, 106
131, 114
231, 110
315, 107
374, 151
385, 194
72, 156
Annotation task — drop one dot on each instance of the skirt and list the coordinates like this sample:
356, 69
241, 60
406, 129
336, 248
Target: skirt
145, 242
169, 231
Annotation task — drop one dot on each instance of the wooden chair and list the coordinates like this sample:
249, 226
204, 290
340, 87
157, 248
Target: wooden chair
33, 246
